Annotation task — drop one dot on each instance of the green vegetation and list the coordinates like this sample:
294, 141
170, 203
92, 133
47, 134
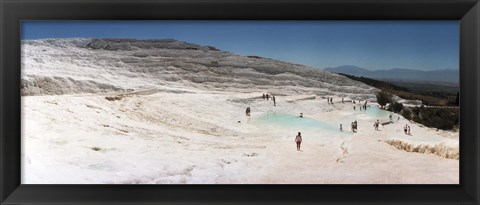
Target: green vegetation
395, 107
439, 117
383, 98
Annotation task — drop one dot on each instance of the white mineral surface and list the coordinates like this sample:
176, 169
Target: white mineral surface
119, 111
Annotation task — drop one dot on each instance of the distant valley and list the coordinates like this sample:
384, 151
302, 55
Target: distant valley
438, 77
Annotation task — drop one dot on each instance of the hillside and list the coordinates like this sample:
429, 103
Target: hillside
73, 66
433, 98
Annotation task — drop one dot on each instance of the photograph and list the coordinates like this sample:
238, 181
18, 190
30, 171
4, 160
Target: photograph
240, 102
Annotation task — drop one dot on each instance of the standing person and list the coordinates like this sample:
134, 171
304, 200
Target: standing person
298, 140
341, 129
301, 115
398, 118
247, 112
354, 108
405, 129
268, 96
342, 100
390, 118
274, 103
408, 130
263, 96
328, 101
355, 125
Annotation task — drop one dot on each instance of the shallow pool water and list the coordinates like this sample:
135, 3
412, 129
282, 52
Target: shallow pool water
288, 120
376, 112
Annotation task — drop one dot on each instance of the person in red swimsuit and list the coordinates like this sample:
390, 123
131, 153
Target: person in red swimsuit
298, 140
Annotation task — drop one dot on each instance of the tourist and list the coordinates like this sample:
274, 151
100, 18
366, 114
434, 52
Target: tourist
268, 97
274, 103
354, 126
354, 108
408, 130
342, 100
248, 111
301, 114
405, 129
328, 101
263, 96
341, 129
298, 140
398, 118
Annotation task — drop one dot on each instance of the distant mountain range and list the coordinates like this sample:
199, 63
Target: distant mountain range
401, 74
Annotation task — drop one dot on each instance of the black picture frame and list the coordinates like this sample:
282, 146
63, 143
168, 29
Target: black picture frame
14, 11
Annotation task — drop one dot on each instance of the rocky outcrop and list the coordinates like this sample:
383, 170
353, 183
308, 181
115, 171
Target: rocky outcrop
66, 66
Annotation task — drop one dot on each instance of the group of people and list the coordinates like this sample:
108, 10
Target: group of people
354, 126
330, 101
364, 106
264, 96
267, 96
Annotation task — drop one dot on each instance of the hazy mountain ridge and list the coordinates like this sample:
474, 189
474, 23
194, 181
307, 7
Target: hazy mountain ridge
70, 66
401, 74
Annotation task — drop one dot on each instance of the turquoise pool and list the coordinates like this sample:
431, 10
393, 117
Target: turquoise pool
288, 120
376, 112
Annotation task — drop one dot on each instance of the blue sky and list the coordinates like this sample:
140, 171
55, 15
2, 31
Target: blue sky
422, 45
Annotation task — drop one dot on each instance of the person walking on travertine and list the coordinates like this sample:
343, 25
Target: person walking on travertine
274, 103
298, 140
